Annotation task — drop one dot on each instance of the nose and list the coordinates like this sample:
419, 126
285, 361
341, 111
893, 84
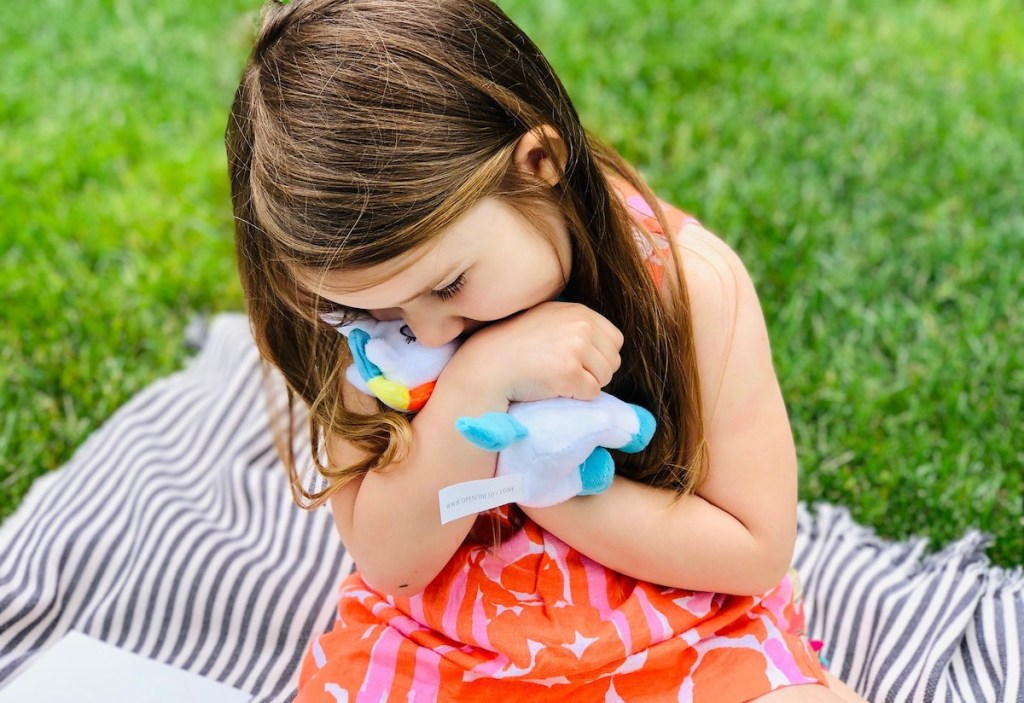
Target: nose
435, 331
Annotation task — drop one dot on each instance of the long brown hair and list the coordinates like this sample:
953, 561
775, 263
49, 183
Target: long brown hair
359, 131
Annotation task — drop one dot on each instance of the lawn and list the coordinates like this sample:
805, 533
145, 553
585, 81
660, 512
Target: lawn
865, 159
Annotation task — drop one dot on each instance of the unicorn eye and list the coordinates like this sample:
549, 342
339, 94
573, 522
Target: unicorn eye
406, 332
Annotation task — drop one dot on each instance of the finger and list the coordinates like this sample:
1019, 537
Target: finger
608, 350
600, 368
586, 387
613, 333
576, 311
609, 331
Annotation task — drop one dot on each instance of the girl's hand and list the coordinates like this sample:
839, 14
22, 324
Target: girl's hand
554, 349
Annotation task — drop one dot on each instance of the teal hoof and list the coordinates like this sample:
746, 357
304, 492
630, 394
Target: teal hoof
597, 472
643, 436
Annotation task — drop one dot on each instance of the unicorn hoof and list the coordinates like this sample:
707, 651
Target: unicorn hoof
643, 436
597, 472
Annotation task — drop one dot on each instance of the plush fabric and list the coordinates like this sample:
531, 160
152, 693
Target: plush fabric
171, 533
555, 449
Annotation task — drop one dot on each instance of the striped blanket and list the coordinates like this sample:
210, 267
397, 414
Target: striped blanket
171, 533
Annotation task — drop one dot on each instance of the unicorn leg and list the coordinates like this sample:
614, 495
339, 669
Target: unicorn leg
491, 431
597, 471
644, 434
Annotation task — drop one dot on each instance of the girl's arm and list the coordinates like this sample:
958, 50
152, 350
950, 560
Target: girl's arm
736, 534
390, 520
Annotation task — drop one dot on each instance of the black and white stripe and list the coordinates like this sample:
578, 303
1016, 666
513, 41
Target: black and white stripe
900, 624
172, 533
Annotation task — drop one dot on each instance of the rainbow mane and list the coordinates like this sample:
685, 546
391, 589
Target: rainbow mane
400, 397
393, 393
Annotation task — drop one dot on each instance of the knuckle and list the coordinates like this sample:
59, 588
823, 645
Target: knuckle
574, 343
565, 366
589, 386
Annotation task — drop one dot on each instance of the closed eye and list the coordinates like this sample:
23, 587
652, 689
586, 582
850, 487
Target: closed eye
449, 291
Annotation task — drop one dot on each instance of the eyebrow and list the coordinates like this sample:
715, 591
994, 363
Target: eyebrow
428, 289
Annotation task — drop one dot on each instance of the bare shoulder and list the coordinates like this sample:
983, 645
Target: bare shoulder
715, 275
725, 313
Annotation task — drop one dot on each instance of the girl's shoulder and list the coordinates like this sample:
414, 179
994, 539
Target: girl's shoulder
717, 281
720, 297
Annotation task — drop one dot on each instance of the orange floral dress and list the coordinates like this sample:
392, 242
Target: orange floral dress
535, 620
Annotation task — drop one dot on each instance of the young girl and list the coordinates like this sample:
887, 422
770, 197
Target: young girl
420, 159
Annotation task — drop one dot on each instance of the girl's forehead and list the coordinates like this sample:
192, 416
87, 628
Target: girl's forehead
392, 283
370, 289
395, 282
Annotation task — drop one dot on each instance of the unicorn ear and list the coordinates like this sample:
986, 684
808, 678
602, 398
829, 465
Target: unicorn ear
366, 325
333, 319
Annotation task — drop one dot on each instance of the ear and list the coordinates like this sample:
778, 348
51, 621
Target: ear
541, 152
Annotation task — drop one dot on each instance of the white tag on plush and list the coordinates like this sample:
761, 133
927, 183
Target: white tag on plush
471, 497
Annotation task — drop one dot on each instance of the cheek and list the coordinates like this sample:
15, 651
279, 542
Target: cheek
506, 294
491, 296
487, 308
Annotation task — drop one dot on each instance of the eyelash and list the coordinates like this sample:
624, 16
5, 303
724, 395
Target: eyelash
450, 290
446, 293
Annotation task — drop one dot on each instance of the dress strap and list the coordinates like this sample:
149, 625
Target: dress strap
649, 234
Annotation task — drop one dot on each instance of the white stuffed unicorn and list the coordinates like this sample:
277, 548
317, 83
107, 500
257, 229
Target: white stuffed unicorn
558, 446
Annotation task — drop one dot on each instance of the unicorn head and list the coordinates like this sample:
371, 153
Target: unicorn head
390, 364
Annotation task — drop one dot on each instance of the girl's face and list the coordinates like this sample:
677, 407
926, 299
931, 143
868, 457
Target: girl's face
488, 265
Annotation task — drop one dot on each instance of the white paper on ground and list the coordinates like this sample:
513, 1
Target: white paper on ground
470, 497
85, 670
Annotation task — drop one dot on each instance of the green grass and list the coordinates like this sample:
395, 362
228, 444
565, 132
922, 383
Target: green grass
865, 159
